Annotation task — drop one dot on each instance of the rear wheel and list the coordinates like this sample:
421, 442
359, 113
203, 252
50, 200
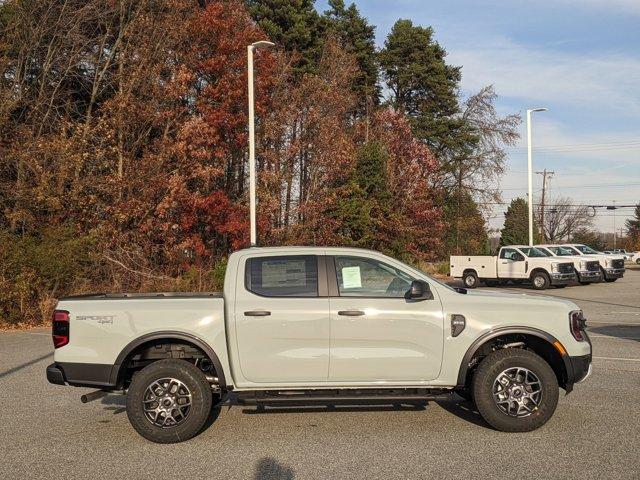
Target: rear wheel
169, 401
470, 279
540, 281
515, 390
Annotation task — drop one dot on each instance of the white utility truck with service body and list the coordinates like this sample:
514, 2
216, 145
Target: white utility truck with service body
611, 266
514, 262
312, 325
587, 267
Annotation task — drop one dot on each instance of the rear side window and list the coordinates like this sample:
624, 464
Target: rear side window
286, 276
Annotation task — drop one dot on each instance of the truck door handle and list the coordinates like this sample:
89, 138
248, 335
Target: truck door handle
257, 313
351, 313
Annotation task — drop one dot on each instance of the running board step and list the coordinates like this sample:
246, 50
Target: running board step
341, 397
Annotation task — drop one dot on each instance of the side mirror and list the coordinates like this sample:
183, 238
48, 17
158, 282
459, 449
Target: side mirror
418, 291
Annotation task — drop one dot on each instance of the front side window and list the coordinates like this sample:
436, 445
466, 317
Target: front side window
573, 250
286, 276
366, 277
507, 253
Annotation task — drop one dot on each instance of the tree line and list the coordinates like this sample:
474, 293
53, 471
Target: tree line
123, 133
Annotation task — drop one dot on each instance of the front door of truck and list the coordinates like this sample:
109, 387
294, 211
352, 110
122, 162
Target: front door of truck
377, 334
282, 319
511, 264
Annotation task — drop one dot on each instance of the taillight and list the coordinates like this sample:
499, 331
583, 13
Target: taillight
60, 328
577, 324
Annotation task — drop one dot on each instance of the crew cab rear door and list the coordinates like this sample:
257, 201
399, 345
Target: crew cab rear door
377, 334
282, 318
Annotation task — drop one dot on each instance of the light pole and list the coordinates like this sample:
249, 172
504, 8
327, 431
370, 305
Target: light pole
530, 171
252, 137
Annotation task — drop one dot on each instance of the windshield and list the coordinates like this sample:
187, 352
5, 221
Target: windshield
586, 250
564, 251
574, 250
534, 252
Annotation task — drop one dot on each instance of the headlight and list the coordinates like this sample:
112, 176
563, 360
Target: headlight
554, 267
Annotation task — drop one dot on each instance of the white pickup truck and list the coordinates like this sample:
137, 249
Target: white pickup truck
514, 262
611, 266
311, 325
587, 267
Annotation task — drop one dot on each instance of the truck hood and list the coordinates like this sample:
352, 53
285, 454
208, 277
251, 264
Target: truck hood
520, 298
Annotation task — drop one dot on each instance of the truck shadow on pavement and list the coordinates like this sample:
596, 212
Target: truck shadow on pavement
627, 332
457, 406
270, 469
6, 373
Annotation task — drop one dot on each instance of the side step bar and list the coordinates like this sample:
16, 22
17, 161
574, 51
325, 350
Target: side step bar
342, 397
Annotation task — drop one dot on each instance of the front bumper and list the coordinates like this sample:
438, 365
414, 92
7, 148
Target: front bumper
589, 276
580, 369
613, 272
562, 278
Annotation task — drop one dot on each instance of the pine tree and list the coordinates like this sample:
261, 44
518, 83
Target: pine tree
356, 37
422, 84
293, 25
466, 232
516, 224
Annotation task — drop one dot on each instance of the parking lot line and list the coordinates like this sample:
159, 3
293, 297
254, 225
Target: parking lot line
618, 358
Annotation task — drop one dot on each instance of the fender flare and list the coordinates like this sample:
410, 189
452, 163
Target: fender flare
168, 335
482, 339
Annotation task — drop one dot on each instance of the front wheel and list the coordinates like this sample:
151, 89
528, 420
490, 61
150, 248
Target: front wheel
540, 281
515, 390
169, 401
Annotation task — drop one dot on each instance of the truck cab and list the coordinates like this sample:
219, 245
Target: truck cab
587, 268
611, 266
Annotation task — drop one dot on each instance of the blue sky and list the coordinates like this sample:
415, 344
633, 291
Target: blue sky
579, 58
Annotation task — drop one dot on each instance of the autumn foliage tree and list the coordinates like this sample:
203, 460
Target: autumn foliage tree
123, 133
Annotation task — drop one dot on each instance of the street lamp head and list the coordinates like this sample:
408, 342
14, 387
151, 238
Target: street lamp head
262, 44
541, 109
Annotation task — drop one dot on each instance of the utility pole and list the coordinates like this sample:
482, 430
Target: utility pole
544, 174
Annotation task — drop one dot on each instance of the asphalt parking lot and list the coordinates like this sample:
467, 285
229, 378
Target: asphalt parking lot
47, 433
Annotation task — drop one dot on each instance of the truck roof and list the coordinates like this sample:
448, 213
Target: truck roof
301, 247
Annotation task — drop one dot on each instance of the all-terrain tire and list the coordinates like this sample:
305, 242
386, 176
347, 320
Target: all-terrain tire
491, 368
193, 380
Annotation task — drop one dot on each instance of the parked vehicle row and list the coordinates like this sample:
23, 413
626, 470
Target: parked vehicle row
542, 265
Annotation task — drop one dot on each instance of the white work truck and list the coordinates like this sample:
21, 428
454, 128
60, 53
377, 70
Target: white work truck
311, 325
587, 267
611, 266
517, 263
